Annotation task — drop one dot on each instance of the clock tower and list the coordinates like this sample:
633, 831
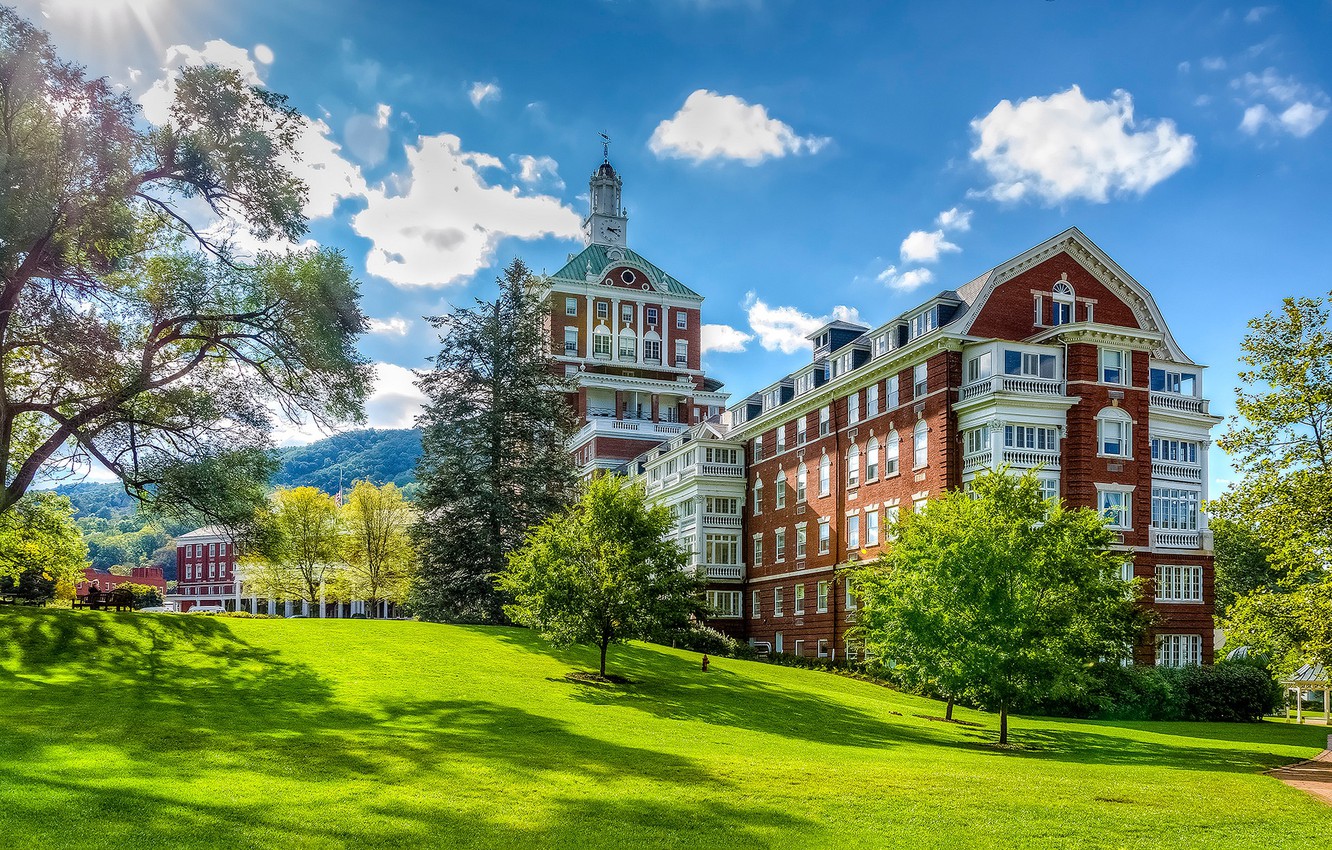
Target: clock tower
605, 224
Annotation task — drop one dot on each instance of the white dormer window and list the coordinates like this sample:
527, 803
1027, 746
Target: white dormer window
923, 323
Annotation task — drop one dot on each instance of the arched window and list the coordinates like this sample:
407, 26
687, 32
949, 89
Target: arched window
628, 345
781, 488
1114, 432
872, 459
601, 342
652, 347
802, 478
758, 497
825, 475
920, 444
1062, 308
890, 451
853, 466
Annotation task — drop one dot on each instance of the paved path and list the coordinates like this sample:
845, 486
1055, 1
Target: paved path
1313, 776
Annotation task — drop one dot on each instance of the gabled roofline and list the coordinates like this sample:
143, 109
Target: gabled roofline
1073, 241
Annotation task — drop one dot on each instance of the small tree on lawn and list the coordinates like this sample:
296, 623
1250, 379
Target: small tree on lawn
602, 571
998, 594
376, 544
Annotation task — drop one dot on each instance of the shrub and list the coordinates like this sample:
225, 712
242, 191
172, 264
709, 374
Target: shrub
707, 640
1225, 692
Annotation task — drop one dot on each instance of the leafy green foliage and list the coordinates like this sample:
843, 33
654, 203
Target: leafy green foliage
1281, 512
145, 595
1226, 692
126, 336
602, 571
997, 595
40, 546
494, 461
296, 545
377, 551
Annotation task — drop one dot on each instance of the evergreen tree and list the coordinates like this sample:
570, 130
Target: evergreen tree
494, 460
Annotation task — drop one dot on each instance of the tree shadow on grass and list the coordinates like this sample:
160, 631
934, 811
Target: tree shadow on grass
182, 712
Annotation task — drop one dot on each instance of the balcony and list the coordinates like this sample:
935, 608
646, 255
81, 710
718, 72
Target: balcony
1176, 403
722, 470
725, 571
1031, 457
979, 460
1015, 384
1166, 538
1176, 471
722, 520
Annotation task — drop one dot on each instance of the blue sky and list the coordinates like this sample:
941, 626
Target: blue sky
783, 158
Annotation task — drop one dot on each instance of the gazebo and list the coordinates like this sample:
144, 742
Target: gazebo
1310, 677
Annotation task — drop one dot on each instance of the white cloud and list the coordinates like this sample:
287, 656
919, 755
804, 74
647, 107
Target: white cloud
724, 339
447, 222
1213, 63
784, 328
922, 246
395, 326
955, 219
716, 126
263, 54
367, 136
537, 169
1065, 146
907, 280
481, 92
396, 400
1280, 104
1257, 13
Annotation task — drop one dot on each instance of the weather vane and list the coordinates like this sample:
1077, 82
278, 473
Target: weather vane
605, 147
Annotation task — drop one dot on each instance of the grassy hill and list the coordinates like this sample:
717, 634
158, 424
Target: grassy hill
127, 731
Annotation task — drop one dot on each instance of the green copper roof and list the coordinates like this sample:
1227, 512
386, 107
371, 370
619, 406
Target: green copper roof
596, 258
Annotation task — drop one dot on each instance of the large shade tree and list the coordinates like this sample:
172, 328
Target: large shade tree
128, 335
41, 549
494, 460
602, 571
998, 594
1280, 511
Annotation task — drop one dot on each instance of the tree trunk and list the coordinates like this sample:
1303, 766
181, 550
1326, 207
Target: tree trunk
948, 712
1003, 724
604, 643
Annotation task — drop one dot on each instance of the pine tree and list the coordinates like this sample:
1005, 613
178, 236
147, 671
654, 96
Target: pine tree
494, 460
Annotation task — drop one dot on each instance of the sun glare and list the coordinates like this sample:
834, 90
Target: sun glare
112, 17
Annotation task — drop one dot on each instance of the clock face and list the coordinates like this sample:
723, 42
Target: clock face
608, 230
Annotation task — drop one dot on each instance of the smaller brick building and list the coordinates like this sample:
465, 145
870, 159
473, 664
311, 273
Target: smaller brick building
206, 569
104, 581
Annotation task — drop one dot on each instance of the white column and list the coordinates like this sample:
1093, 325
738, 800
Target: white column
586, 348
642, 333
1206, 482
322, 605
286, 604
305, 608
996, 445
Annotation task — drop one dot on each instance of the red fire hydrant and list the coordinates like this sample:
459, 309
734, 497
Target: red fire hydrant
705, 663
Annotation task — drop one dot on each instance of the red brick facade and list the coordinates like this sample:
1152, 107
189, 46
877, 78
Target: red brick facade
1106, 311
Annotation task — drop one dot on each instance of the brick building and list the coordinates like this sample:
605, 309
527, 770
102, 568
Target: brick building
1055, 359
628, 334
206, 569
105, 581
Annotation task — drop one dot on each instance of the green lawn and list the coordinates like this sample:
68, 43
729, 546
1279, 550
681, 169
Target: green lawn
124, 731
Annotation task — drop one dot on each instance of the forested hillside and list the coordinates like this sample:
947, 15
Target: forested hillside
378, 456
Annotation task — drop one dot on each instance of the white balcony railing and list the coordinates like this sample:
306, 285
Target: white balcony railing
725, 571
979, 460
1032, 457
1164, 538
721, 520
1019, 384
1177, 471
1179, 403
723, 470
